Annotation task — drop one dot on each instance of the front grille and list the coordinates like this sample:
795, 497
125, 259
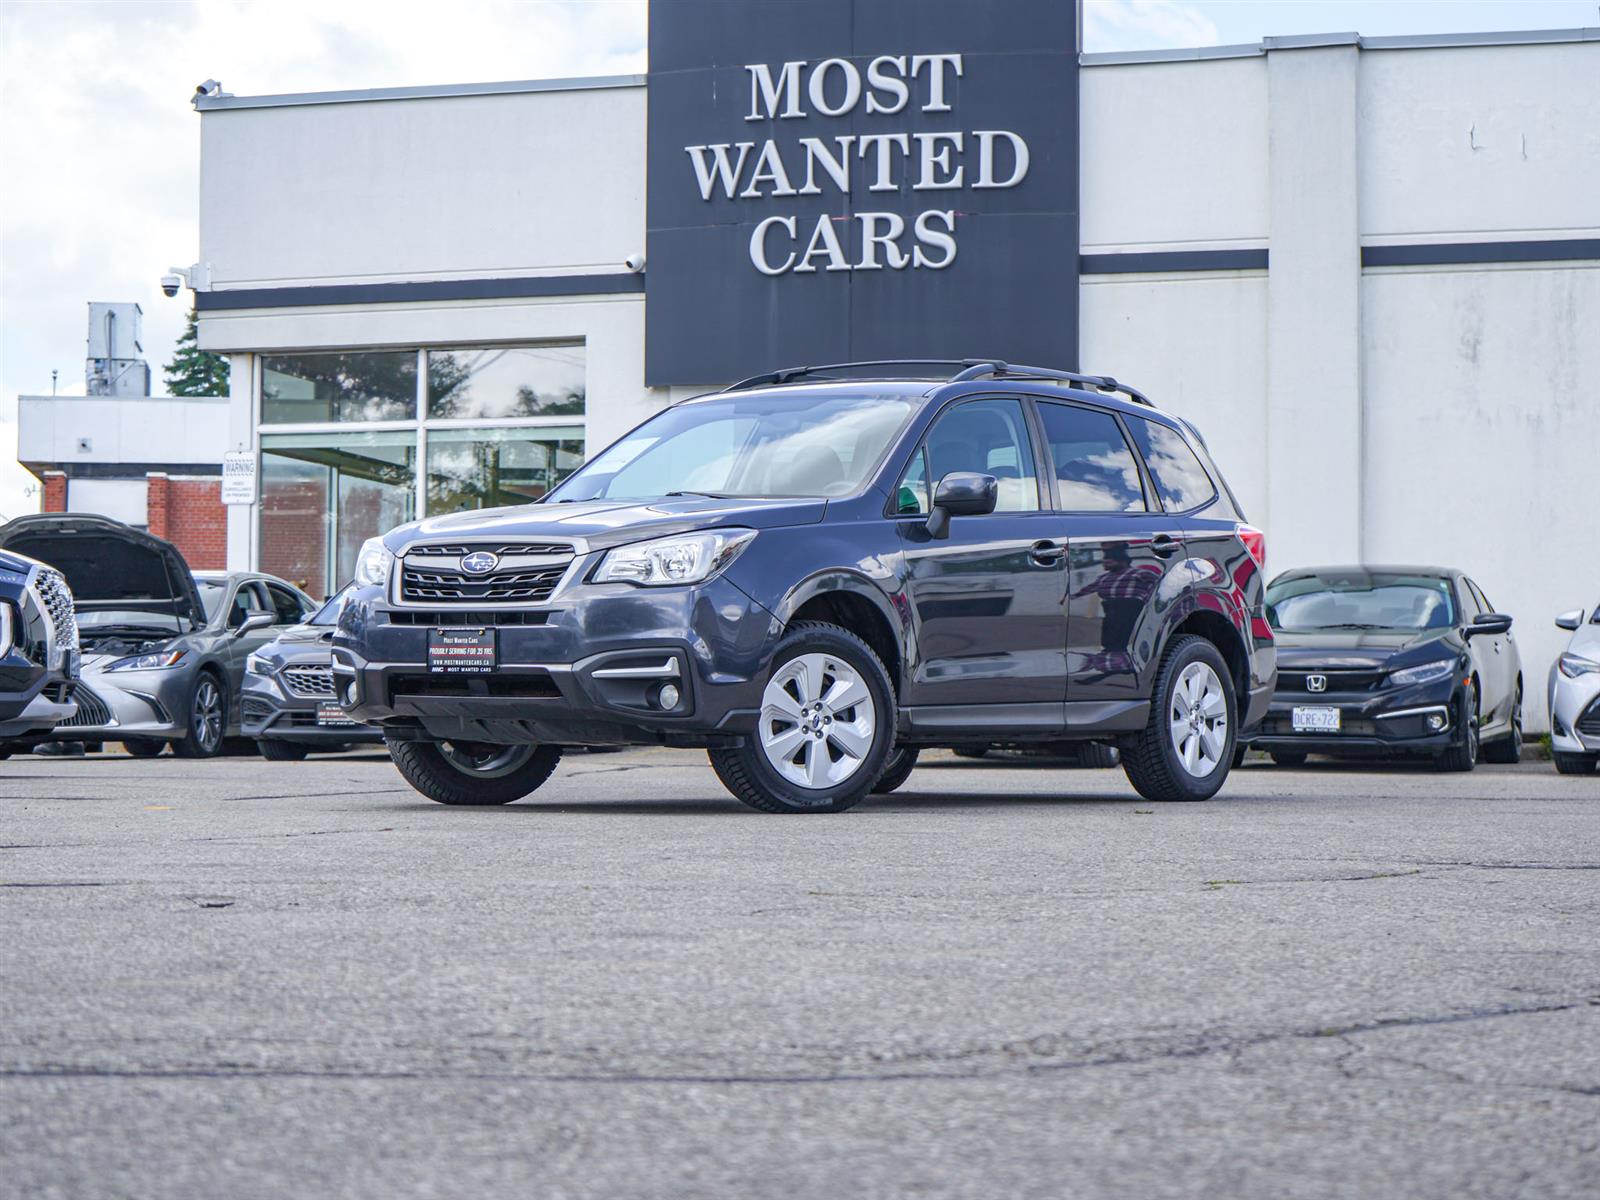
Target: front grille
309, 683
1338, 681
526, 685
57, 599
528, 572
92, 711
1588, 722
469, 618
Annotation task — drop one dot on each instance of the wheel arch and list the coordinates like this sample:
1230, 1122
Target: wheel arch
1208, 623
854, 602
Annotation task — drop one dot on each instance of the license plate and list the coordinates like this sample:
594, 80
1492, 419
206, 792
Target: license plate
1316, 720
461, 651
332, 714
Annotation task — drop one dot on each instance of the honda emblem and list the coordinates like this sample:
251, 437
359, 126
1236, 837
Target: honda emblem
1316, 683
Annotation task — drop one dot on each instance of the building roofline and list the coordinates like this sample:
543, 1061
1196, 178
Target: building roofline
1418, 41
205, 103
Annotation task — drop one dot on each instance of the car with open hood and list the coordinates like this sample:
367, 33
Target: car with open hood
288, 704
38, 651
163, 648
1574, 693
1391, 661
815, 570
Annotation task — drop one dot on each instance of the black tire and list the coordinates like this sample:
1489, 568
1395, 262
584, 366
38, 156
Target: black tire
1508, 749
1098, 756
1463, 755
1151, 760
1288, 758
973, 750
144, 747
441, 771
1239, 752
1575, 764
278, 750
745, 770
897, 770
207, 720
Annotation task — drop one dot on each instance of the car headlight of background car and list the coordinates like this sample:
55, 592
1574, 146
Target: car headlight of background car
7, 627
1426, 673
690, 558
1574, 665
158, 661
258, 664
373, 563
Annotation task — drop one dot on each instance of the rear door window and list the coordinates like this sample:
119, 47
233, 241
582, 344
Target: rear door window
1180, 479
1095, 469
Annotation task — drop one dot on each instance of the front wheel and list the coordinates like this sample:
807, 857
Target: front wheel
1288, 758
825, 731
1575, 764
278, 750
1463, 756
208, 720
1186, 750
143, 747
1508, 749
473, 772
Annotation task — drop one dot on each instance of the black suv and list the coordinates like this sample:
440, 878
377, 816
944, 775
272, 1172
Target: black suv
814, 573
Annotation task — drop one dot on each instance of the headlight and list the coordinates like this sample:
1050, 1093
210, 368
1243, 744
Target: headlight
1426, 673
7, 628
258, 664
690, 558
373, 563
1574, 665
148, 662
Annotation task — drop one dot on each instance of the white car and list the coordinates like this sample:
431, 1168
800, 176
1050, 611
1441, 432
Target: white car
1575, 696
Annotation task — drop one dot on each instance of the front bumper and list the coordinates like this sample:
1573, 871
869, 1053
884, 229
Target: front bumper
589, 672
113, 705
268, 711
1392, 721
51, 704
1574, 713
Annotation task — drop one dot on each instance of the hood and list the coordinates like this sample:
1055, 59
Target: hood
1350, 649
304, 635
603, 523
109, 565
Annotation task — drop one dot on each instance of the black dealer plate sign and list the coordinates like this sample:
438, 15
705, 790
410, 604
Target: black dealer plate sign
855, 179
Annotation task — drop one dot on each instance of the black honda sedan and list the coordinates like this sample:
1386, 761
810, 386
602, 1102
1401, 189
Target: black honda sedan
1391, 661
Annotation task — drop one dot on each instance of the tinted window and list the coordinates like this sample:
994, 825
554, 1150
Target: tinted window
1095, 470
1359, 599
1181, 482
286, 604
246, 602
989, 437
328, 614
211, 593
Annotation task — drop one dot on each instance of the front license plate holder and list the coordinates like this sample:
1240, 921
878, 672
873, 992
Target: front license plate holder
332, 714
461, 651
1315, 718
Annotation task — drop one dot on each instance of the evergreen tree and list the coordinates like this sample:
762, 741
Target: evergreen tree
193, 371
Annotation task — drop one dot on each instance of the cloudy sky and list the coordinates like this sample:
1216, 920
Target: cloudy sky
100, 147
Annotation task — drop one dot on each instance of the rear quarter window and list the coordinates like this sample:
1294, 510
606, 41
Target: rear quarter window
1180, 479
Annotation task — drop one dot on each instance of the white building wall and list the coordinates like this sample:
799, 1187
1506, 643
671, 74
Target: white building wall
122, 429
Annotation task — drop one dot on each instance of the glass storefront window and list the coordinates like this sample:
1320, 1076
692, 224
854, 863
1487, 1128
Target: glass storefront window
494, 382
323, 494
485, 468
370, 385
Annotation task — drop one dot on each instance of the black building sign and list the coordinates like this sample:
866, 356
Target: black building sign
851, 179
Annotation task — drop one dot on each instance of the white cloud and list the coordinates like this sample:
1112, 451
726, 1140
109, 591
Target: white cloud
1144, 25
101, 146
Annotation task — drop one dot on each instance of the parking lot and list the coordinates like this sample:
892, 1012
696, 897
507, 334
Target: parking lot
236, 978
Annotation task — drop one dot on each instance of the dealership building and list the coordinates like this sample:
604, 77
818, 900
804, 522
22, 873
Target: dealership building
1367, 268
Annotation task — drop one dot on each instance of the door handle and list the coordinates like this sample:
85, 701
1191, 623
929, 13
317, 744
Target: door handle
1045, 553
1164, 545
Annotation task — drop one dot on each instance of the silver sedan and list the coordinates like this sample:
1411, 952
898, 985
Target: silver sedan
1575, 695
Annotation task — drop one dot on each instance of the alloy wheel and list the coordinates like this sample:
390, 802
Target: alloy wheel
207, 714
817, 721
1198, 720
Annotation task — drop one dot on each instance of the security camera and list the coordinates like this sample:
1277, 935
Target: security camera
209, 88
170, 285
634, 263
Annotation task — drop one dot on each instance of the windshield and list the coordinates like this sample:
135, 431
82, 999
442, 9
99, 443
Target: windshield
1360, 600
102, 620
328, 614
755, 445
211, 593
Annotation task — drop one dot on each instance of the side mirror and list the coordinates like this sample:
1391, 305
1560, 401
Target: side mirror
253, 622
961, 494
1570, 620
1489, 623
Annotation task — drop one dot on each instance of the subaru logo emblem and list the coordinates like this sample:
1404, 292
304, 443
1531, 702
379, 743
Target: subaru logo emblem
480, 562
1316, 683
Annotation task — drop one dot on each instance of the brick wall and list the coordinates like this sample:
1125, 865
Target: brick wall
190, 514
55, 492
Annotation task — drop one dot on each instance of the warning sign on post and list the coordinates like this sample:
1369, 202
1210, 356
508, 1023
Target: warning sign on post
239, 477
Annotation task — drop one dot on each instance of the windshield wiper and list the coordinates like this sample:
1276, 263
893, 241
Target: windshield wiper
1345, 625
707, 495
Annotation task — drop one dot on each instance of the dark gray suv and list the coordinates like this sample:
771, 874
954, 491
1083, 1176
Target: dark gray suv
817, 572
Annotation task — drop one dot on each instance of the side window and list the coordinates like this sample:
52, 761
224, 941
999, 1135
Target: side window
246, 602
1181, 482
1095, 470
286, 604
911, 497
1477, 594
1471, 606
991, 438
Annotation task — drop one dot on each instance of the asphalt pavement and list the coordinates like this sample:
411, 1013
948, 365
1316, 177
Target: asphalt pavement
247, 979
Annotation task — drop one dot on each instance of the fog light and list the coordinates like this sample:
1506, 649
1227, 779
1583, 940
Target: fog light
1436, 721
667, 697
350, 692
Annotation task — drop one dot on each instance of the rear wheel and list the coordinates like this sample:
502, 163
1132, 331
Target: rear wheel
1576, 764
1288, 758
278, 750
208, 719
972, 750
473, 772
826, 728
1097, 755
1508, 749
1186, 750
896, 771
143, 747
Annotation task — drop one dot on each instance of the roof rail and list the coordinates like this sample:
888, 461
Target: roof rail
970, 369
